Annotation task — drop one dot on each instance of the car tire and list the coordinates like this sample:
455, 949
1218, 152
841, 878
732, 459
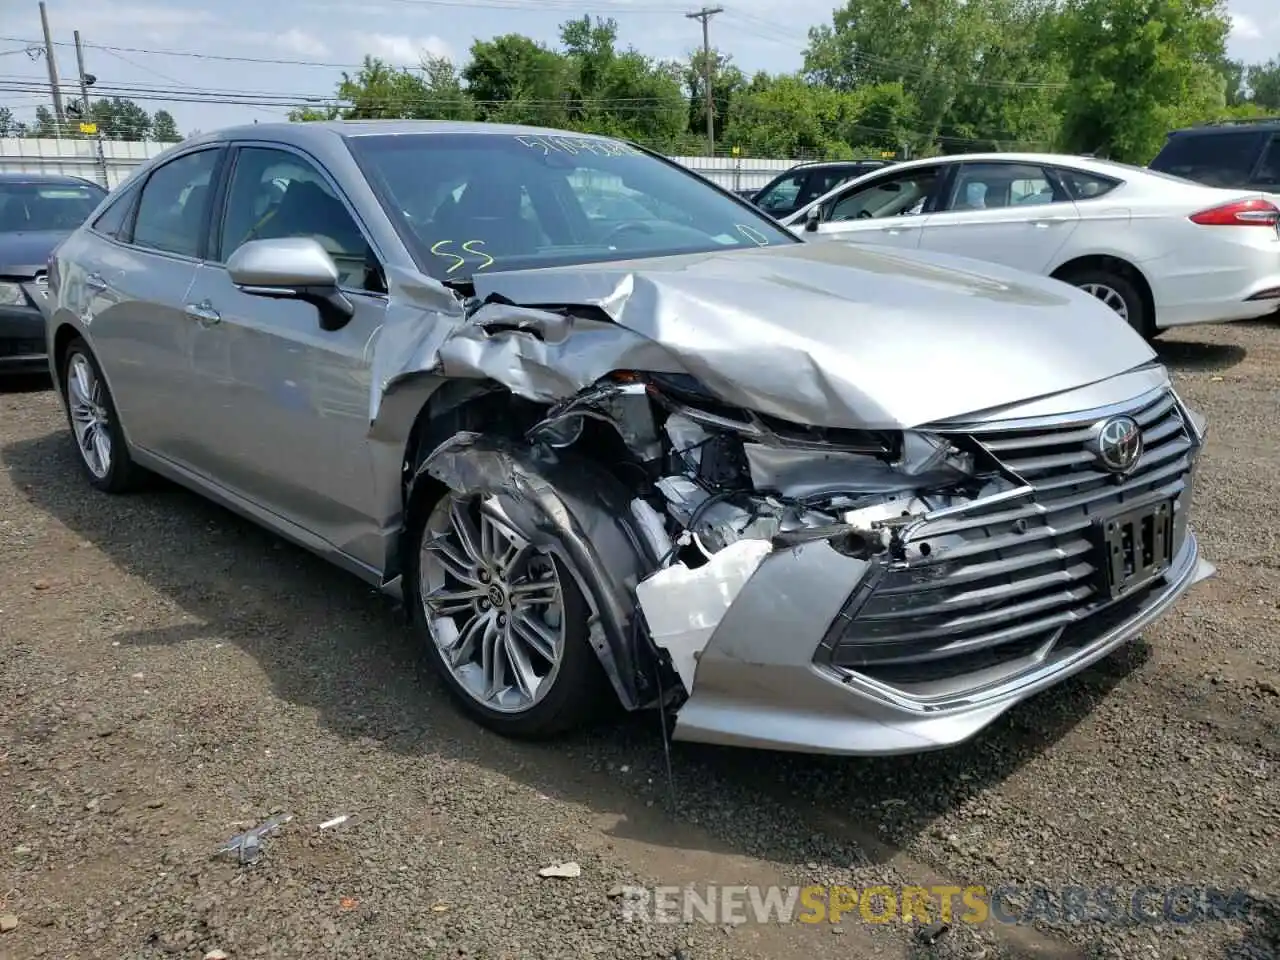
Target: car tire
1116, 291
92, 417
572, 694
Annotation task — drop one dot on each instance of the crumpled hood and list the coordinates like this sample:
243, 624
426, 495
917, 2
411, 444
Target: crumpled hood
825, 334
26, 253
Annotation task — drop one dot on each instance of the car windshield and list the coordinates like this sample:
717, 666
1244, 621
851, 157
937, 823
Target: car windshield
499, 201
26, 207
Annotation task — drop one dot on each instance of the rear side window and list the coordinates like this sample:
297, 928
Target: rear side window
1082, 185
1222, 159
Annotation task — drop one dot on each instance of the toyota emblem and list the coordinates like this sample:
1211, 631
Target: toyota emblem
1117, 444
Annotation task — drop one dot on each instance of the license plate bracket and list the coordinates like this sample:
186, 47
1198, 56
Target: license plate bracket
1135, 546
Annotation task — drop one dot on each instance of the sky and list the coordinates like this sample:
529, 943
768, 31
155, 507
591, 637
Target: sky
322, 37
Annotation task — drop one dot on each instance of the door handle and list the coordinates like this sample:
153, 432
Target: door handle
204, 313
94, 281
1043, 222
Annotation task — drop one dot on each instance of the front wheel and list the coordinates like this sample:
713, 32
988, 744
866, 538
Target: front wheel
505, 623
101, 450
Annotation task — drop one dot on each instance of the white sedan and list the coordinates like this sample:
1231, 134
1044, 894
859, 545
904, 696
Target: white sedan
1160, 250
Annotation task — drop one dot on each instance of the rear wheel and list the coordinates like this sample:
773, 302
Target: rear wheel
505, 623
100, 445
1119, 293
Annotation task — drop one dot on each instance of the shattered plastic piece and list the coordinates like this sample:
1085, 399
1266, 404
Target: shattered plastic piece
567, 871
683, 607
248, 845
931, 933
335, 822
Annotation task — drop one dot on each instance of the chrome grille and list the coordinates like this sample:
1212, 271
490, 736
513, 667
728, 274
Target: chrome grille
1001, 580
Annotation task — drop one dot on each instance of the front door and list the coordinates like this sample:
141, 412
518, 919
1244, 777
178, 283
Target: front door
135, 287
890, 209
287, 403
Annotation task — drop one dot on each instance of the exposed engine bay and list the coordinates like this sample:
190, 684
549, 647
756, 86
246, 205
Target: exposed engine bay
717, 489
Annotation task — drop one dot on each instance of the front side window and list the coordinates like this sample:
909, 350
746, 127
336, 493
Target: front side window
32, 207
985, 186
275, 194
173, 205
902, 195
1219, 159
112, 220
473, 202
783, 194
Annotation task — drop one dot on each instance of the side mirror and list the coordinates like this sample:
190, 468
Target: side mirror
813, 218
293, 268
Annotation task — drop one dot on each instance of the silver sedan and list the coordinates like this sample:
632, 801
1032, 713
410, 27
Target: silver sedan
610, 432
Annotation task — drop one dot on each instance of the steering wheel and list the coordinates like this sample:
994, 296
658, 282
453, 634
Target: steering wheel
863, 215
637, 225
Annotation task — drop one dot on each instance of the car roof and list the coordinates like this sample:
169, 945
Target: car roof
302, 134
1261, 124
807, 164
46, 178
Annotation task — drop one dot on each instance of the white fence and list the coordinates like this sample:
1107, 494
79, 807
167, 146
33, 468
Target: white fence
80, 158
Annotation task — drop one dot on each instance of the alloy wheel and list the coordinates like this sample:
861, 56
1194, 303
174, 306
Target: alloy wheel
1109, 296
493, 604
89, 418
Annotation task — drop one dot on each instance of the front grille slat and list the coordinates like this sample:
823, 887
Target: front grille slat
996, 577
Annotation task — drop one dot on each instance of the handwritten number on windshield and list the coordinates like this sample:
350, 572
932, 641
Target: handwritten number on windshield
468, 246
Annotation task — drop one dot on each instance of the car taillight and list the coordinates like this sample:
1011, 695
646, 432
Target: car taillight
1240, 213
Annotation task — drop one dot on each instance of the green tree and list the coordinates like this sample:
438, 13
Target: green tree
978, 74
8, 125
164, 128
727, 82
45, 127
513, 79
1139, 68
119, 118
623, 94
1264, 84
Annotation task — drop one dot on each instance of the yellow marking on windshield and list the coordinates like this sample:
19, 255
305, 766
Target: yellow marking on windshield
488, 260
435, 248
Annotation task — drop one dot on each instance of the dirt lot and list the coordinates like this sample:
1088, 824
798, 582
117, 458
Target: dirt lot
169, 675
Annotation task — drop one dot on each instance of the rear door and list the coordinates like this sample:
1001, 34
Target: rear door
129, 287
1012, 213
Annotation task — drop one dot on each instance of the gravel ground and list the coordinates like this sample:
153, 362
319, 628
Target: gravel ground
172, 675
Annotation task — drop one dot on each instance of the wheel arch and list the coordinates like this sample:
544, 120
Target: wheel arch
1118, 265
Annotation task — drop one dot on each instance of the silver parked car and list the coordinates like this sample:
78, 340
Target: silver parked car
802, 496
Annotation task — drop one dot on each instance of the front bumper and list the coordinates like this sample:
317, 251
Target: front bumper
824, 653
22, 341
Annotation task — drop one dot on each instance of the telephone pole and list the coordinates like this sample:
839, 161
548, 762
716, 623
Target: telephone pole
705, 15
86, 80
53, 70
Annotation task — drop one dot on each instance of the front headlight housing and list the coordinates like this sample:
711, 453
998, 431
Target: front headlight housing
11, 294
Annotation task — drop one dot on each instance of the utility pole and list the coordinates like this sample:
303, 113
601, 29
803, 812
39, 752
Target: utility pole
86, 117
705, 15
53, 69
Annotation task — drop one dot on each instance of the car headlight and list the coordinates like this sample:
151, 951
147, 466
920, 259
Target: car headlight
11, 295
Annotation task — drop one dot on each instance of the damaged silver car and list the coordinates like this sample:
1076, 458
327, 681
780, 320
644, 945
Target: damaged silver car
610, 432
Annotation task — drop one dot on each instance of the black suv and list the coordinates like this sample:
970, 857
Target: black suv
1243, 155
789, 191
